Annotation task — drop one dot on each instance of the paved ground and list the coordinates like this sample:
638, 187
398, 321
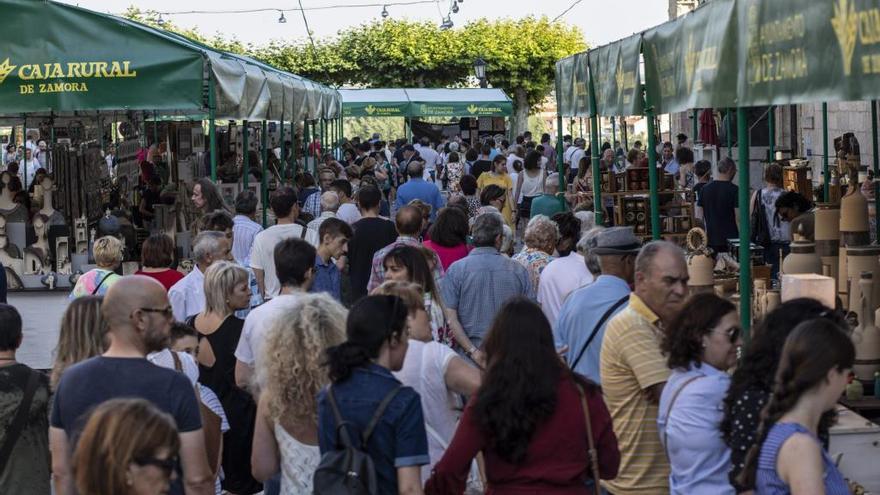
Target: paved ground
41, 314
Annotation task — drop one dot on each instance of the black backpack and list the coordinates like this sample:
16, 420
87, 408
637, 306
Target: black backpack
349, 470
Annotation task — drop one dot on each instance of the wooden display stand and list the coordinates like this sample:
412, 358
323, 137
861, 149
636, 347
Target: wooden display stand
797, 179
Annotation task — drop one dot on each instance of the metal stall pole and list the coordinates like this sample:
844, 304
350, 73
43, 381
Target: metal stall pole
613, 134
581, 125
407, 127
559, 163
245, 158
156, 129
305, 146
212, 129
745, 266
624, 131
771, 128
283, 167
24, 168
652, 169
694, 126
264, 187
594, 152
876, 164
729, 137
826, 180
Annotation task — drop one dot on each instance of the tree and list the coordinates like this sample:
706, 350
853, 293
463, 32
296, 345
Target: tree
521, 55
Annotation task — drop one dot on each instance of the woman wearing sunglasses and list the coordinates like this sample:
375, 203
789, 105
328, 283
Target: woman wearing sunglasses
700, 345
128, 447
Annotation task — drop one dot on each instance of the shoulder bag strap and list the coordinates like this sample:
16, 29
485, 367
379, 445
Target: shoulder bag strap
378, 414
341, 432
104, 279
591, 444
15, 429
177, 364
669, 410
607, 315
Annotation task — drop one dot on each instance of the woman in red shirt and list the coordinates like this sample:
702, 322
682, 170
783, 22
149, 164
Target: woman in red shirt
527, 417
448, 236
157, 254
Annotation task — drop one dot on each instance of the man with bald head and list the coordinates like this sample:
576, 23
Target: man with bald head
408, 222
634, 371
138, 318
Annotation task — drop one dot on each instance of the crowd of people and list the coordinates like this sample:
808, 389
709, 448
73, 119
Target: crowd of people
424, 319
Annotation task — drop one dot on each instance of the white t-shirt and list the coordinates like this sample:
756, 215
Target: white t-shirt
429, 156
424, 369
349, 213
257, 325
510, 160
559, 278
263, 251
575, 157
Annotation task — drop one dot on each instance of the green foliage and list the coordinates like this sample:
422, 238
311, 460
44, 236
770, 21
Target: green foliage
521, 54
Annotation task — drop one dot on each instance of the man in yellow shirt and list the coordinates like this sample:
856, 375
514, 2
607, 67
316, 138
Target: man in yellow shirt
633, 370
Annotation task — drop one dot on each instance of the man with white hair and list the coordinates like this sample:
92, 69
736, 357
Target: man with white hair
329, 207
187, 296
548, 203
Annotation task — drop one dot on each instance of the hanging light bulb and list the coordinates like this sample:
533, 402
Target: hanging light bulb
282, 19
447, 23
454, 7
384, 11
160, 21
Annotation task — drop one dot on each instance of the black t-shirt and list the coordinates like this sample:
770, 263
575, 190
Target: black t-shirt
93, 381
27, 470
479, 167
87, 384
370, 235
697, 188
719, 202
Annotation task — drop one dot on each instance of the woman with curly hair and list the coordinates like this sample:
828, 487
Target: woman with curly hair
700, 346
286, 434
540, 240
753, 380
128, 447
788, 457
528, 416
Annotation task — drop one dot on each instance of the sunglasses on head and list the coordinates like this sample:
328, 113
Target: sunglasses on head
166, 465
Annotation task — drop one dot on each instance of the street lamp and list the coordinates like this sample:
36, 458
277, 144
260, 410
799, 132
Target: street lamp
480, 71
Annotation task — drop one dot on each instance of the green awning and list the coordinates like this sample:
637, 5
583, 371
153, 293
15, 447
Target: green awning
87, 61
420, 102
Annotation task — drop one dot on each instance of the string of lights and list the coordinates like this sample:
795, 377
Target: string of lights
446, 21
567, 10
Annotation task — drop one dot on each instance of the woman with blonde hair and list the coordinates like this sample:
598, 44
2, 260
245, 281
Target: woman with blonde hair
291, 374
82, 335
219, 330
128, 447
95, 282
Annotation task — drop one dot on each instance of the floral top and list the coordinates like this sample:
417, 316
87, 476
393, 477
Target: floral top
454, 171
94, 282
534, 260
474, 205
439, 328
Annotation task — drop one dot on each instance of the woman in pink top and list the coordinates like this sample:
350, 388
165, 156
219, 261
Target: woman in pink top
448, 236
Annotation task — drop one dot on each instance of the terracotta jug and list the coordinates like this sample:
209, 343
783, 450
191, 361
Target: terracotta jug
853, 231
866, 336
802, 258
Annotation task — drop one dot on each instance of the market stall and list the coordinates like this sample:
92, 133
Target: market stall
100, 93
481, 111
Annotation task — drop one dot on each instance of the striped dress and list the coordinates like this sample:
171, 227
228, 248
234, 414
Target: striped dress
768, 481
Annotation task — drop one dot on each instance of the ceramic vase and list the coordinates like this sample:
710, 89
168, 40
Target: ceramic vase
866, 336
853, 232
862, 259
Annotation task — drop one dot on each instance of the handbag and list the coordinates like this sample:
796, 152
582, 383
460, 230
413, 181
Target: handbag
592, 452
759, 226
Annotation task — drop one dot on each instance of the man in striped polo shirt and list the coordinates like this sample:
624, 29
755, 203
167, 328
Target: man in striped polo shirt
633, 370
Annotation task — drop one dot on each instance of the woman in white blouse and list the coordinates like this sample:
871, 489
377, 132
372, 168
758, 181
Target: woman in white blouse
286, 432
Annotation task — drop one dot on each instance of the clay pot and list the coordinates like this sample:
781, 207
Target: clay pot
862, 259
701, 270
853, 232
827, 236
802, 259
866, 336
